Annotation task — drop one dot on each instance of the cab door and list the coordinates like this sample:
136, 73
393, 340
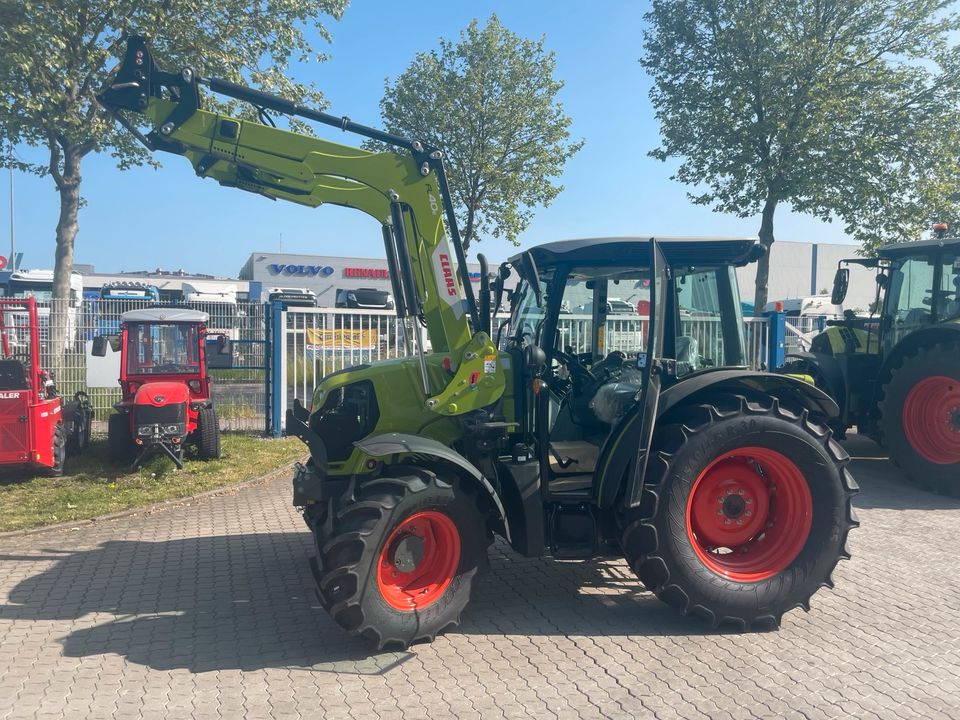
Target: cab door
626, 452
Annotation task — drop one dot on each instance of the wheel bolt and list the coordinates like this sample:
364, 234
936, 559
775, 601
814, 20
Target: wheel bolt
749, 501
720, 499
739, 522
729, 491
740, 491
748, 513
726, 521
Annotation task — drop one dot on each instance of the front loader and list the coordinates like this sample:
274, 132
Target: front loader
576, 435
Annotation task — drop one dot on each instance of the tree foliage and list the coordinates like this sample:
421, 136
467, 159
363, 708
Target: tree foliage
56, 56
843, 109
489, 101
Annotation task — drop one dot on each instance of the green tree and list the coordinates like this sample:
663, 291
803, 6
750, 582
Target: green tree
489, 102
842, 109
55, 56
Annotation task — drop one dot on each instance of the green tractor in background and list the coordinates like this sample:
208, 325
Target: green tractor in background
896, 373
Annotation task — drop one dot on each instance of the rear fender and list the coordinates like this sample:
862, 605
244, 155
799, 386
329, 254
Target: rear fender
947, 332
618, 453
401, 444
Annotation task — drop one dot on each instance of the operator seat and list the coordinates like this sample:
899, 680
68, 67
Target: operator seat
688, 355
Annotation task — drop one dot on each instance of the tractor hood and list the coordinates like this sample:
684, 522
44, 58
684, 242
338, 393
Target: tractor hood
161, 393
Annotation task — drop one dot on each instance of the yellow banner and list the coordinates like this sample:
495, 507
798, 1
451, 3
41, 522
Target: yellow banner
342, 338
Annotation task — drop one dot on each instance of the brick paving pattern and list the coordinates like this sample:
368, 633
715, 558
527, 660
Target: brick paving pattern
207, 611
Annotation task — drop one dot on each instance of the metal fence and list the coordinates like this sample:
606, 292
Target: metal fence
319, 341
311, 343
800, 331
239, 392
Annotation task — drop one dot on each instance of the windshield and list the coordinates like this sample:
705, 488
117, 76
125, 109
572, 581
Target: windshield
527, 316
42, 291
162, 348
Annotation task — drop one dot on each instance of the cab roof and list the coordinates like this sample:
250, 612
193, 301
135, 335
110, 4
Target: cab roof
918, 247
679, 251
165, 315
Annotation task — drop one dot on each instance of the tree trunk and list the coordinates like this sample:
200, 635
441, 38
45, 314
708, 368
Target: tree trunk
61, 323
763, 266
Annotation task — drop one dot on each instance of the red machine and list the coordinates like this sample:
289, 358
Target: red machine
37, 428
166, 390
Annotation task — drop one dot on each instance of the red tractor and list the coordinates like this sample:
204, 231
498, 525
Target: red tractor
37, 428
166, 401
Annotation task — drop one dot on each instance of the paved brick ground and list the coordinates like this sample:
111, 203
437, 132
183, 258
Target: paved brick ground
208, 611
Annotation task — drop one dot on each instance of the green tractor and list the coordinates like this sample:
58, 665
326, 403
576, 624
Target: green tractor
895, 374
583, 430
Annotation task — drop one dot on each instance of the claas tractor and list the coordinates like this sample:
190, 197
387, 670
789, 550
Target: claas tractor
166, 402
37, 428
577, 435
895, 373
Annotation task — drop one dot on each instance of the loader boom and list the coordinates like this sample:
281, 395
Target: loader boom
405, 190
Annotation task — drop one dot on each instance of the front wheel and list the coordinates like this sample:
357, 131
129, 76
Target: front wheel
745, 513
401, 559
59, 451
208, 434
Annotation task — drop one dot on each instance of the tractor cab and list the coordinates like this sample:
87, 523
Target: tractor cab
578, 300
166, 401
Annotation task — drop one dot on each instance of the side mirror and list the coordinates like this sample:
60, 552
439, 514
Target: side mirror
883, 280
223, 345
841, 281
99, 346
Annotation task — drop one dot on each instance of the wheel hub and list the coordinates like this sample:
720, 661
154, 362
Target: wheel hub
734, 506
931, 419
408, 553
749, 514
418, 561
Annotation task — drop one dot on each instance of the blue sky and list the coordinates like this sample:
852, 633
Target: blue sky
145, 218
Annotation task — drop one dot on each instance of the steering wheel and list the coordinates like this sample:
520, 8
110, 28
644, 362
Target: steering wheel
167, 368
579, 375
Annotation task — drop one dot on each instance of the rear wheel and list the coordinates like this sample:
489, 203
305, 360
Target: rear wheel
208, 434
59, 451
119, 438
920, 417
401, 560
745, 516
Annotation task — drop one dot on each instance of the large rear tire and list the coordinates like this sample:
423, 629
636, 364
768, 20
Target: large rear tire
400, 561
920, 417
745, 513
208, 434
119, 438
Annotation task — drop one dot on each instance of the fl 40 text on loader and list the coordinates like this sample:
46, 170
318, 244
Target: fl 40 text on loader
579, 435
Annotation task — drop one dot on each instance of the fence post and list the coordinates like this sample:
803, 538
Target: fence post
278, 367
776, 339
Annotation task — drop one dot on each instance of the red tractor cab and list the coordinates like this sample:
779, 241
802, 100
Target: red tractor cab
37, 428
166, 401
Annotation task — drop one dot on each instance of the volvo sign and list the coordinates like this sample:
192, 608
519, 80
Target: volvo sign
301, 270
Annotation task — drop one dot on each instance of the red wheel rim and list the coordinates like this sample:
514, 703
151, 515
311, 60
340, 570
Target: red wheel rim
931, 419
749, 514
418, 561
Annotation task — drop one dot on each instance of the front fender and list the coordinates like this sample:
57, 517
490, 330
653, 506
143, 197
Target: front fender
387, 444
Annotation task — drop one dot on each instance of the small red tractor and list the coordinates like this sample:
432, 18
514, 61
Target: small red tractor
37, 428
166, 401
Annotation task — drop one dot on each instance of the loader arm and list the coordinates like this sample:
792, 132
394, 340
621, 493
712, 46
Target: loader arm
404, 190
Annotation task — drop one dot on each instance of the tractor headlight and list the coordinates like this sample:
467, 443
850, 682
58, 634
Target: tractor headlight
145, 430
171, 429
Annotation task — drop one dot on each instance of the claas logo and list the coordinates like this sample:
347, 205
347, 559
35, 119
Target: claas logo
448, 274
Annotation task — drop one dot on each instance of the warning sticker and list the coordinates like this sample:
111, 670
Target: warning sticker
489, 364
